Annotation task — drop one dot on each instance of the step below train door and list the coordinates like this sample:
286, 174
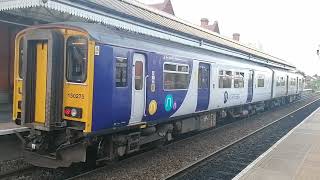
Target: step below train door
138, 88
203, 87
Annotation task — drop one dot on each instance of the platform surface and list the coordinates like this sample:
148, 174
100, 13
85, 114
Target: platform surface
295, 156
10, 128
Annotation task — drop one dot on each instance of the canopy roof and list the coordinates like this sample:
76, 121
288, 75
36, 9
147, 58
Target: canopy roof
132, 16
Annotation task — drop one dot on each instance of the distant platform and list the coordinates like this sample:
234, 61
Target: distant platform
10, 128
295, 156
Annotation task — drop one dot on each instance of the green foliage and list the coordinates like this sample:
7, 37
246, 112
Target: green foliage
314, 85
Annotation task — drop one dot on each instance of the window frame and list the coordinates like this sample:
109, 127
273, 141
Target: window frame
175, 72
127, 70
261, 77
224, 74
238, 75
85, 77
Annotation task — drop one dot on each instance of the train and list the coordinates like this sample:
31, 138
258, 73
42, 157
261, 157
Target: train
90, 92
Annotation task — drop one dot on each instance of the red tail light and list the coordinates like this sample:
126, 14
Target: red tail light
73, 112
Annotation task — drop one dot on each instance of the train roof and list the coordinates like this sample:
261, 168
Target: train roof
133, 16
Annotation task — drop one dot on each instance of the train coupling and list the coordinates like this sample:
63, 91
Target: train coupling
63, 157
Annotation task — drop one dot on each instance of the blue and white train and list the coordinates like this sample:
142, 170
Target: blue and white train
91, 92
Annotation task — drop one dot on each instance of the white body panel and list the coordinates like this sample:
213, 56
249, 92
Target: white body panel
262, 93
235, 96
190, 102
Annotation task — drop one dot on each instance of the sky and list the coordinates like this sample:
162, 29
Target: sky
288, 29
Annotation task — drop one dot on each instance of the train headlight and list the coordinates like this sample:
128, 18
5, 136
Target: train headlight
73, 112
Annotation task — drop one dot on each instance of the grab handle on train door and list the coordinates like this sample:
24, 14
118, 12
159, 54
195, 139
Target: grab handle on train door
145, 95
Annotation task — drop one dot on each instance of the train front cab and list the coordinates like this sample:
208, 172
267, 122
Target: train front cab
53, 92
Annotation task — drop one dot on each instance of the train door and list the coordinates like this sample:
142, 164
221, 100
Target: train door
138, 88
297, 85
203, 87
250, 86
43, 78
287, 85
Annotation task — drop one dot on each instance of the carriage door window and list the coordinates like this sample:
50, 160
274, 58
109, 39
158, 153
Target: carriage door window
138, 75
138, 88
203, 76
121, 72
20, 58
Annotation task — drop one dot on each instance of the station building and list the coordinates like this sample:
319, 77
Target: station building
15, 15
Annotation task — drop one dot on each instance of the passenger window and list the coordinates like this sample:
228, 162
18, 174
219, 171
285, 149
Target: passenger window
77, 59
238, 80
261, 80
203, 76
20, 58
225, 79
183, 68
170, 67
292, 82
138, 75
175, 76
300, 84
278, 82
283, 81
121, 72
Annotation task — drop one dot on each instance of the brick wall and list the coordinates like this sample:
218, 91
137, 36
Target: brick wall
7, 44
4, 57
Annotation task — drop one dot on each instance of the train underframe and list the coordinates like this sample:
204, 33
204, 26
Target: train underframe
61, 148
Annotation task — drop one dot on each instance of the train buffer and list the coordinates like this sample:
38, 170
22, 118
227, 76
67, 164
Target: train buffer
295, 156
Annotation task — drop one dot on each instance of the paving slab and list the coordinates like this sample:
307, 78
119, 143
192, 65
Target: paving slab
10, 128
295, 156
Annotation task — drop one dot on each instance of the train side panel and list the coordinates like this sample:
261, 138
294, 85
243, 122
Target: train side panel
263, 84
229, 92
111, 104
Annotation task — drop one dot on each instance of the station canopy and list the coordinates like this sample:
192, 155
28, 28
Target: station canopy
135, 17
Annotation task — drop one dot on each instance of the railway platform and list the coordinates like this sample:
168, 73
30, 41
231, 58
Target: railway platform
6, 124
10, 128
295, 156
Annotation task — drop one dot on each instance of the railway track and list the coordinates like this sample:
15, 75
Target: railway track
17, 172
75, 173
87, 174
227, 162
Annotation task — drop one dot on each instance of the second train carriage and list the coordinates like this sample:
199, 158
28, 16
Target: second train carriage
86, 88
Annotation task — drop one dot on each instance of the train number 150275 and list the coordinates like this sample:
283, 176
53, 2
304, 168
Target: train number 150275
76, 96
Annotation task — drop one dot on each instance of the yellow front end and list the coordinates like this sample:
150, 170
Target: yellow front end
78, 77
80, 95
